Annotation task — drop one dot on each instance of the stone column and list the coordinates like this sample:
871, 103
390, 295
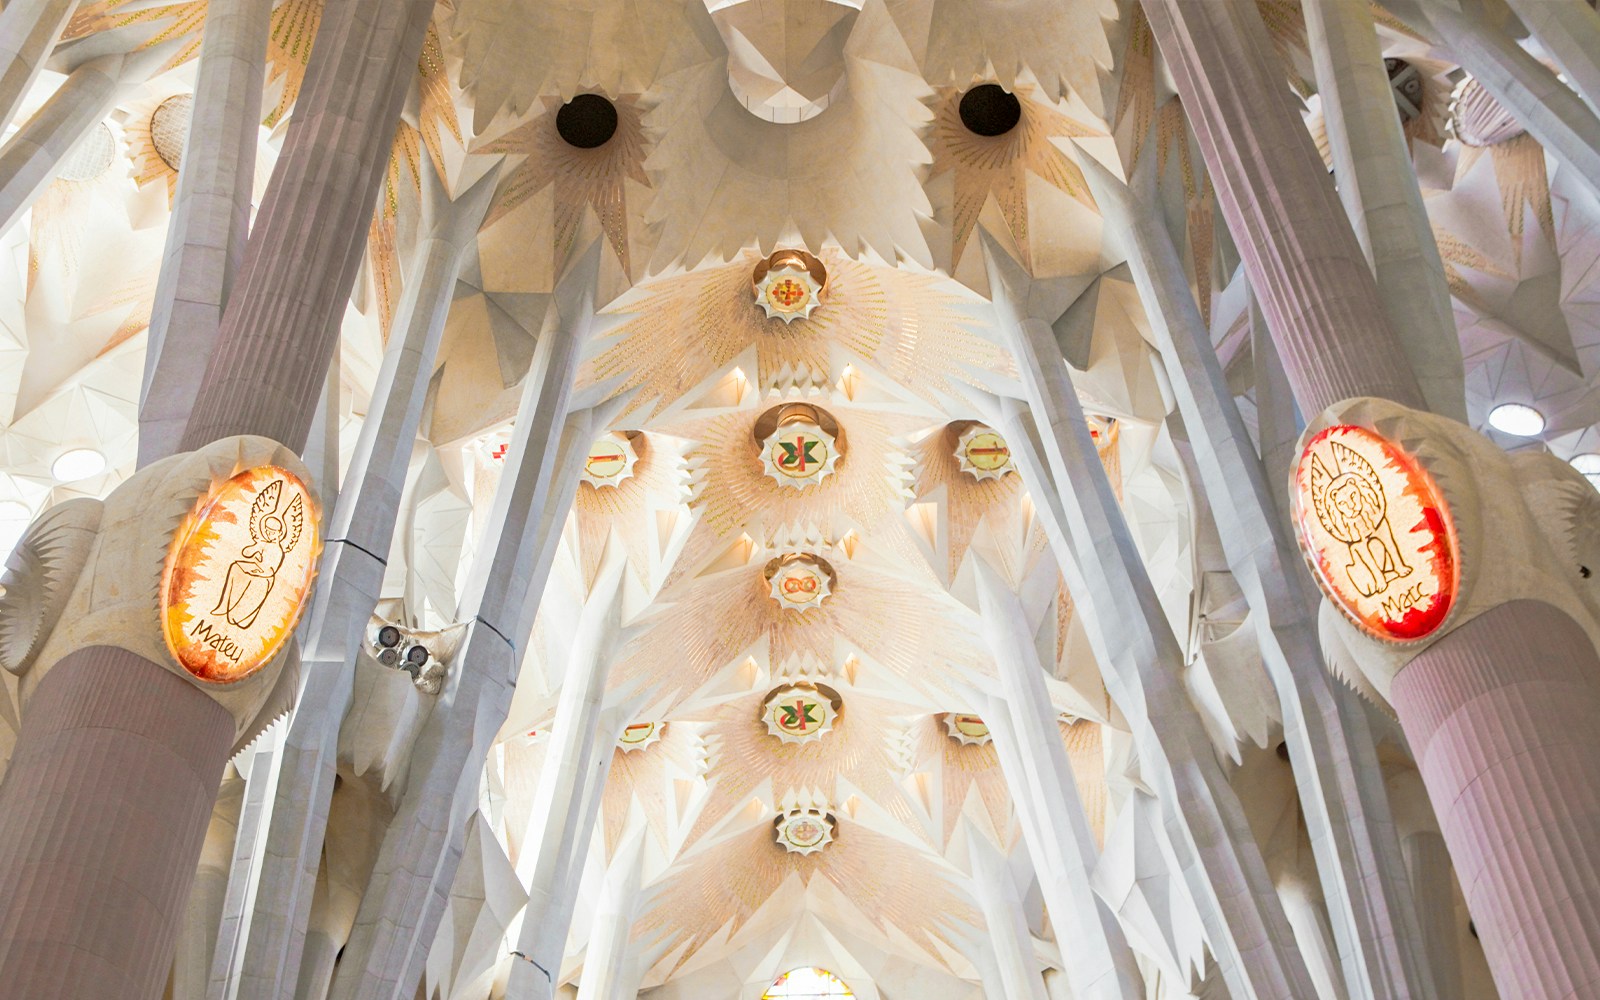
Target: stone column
197, 942
287, 305
1301, 256
1009, 942
405, 900
1564, 125
1046, 796
359, 538
29, 30
1335, 758
1570, 31
1217, 855
30, 160
1501, 717
610, 968
1378, 185
567, 799
210, 220
103, 812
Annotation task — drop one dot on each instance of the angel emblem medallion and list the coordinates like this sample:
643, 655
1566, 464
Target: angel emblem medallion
273, 536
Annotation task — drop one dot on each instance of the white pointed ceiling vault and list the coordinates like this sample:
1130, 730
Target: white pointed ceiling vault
745, 128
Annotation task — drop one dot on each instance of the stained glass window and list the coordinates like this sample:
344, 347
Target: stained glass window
807, 984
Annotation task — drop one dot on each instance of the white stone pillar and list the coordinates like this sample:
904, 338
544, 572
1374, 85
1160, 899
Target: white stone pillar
1218, 857
359, 538
610, 967
210, 220
29, 30
567, 798
1335, 758
1570, 31
1054, 824
1008, 940
30, 160
1378, 186
410, 885
197, 939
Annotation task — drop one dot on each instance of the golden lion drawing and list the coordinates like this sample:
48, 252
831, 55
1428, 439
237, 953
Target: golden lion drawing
1352, 508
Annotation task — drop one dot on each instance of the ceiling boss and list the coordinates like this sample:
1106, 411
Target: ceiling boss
1377, 533
799, 581
805, 831
983, 453
800, 444
789, 285
611, 460
801, 712
238, 574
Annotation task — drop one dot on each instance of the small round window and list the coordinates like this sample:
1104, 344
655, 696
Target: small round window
807, 984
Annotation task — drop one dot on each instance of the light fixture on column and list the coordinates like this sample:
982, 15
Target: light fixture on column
800, 444
79, 463
1587, 463
1519, 419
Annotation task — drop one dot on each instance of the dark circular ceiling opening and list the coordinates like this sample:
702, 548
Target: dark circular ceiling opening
587, 121
989, 109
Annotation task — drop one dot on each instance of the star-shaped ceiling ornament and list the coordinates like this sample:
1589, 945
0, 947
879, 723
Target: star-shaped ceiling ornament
789, 285
800, 581
640, 735
983, 454
967, 729
801, 712
804, 831
610, 462
800, 444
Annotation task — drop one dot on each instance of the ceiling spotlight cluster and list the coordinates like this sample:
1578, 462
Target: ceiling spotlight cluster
403, 649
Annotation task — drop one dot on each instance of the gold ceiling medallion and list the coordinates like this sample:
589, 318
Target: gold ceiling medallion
801, 712
238, 574
640, 735
1377, 533
966, 729
611, 460
789, 285
983, 453
800, 444
799, 581
805, 831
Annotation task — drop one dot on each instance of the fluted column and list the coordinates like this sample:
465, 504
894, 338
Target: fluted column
1301, 256
1564, 125
610, 969
1335, 757
287, 305
103, 812
1217, 855
567, 799
1046, 797
360, 534
405, 900
197, 942
210, 220
31, 159
29, 30
1378, 186
1501, 717
1009, 942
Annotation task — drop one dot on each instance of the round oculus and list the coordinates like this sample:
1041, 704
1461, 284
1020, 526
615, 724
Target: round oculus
77, 464
238, 574
989, 110
588, 121
1377, 533
1518, 419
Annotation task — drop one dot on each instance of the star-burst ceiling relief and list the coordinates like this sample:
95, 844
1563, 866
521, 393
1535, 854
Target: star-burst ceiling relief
915, 328
649, 777
597, 179
998, 167
956, 770
965, 505
645, 510
714, 892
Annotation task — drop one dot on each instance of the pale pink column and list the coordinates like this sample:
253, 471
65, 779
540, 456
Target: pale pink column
1304, 263
1503, 715
102, 815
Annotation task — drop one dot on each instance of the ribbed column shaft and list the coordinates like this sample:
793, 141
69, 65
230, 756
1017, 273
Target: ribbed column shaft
286, 308
1433, 884
29, 29
1378, 186
197, 943
102, 815
210, 220
1301, 256
1501, 714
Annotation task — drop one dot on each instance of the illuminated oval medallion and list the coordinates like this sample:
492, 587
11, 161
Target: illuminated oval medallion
967, 729
799, 581
983, 453
640, 735
611, 460
789, 284
238, 574
1377, 533
804, 831
801, 712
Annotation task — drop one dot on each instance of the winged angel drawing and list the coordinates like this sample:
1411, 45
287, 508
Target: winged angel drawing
251, 576
1352, 508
